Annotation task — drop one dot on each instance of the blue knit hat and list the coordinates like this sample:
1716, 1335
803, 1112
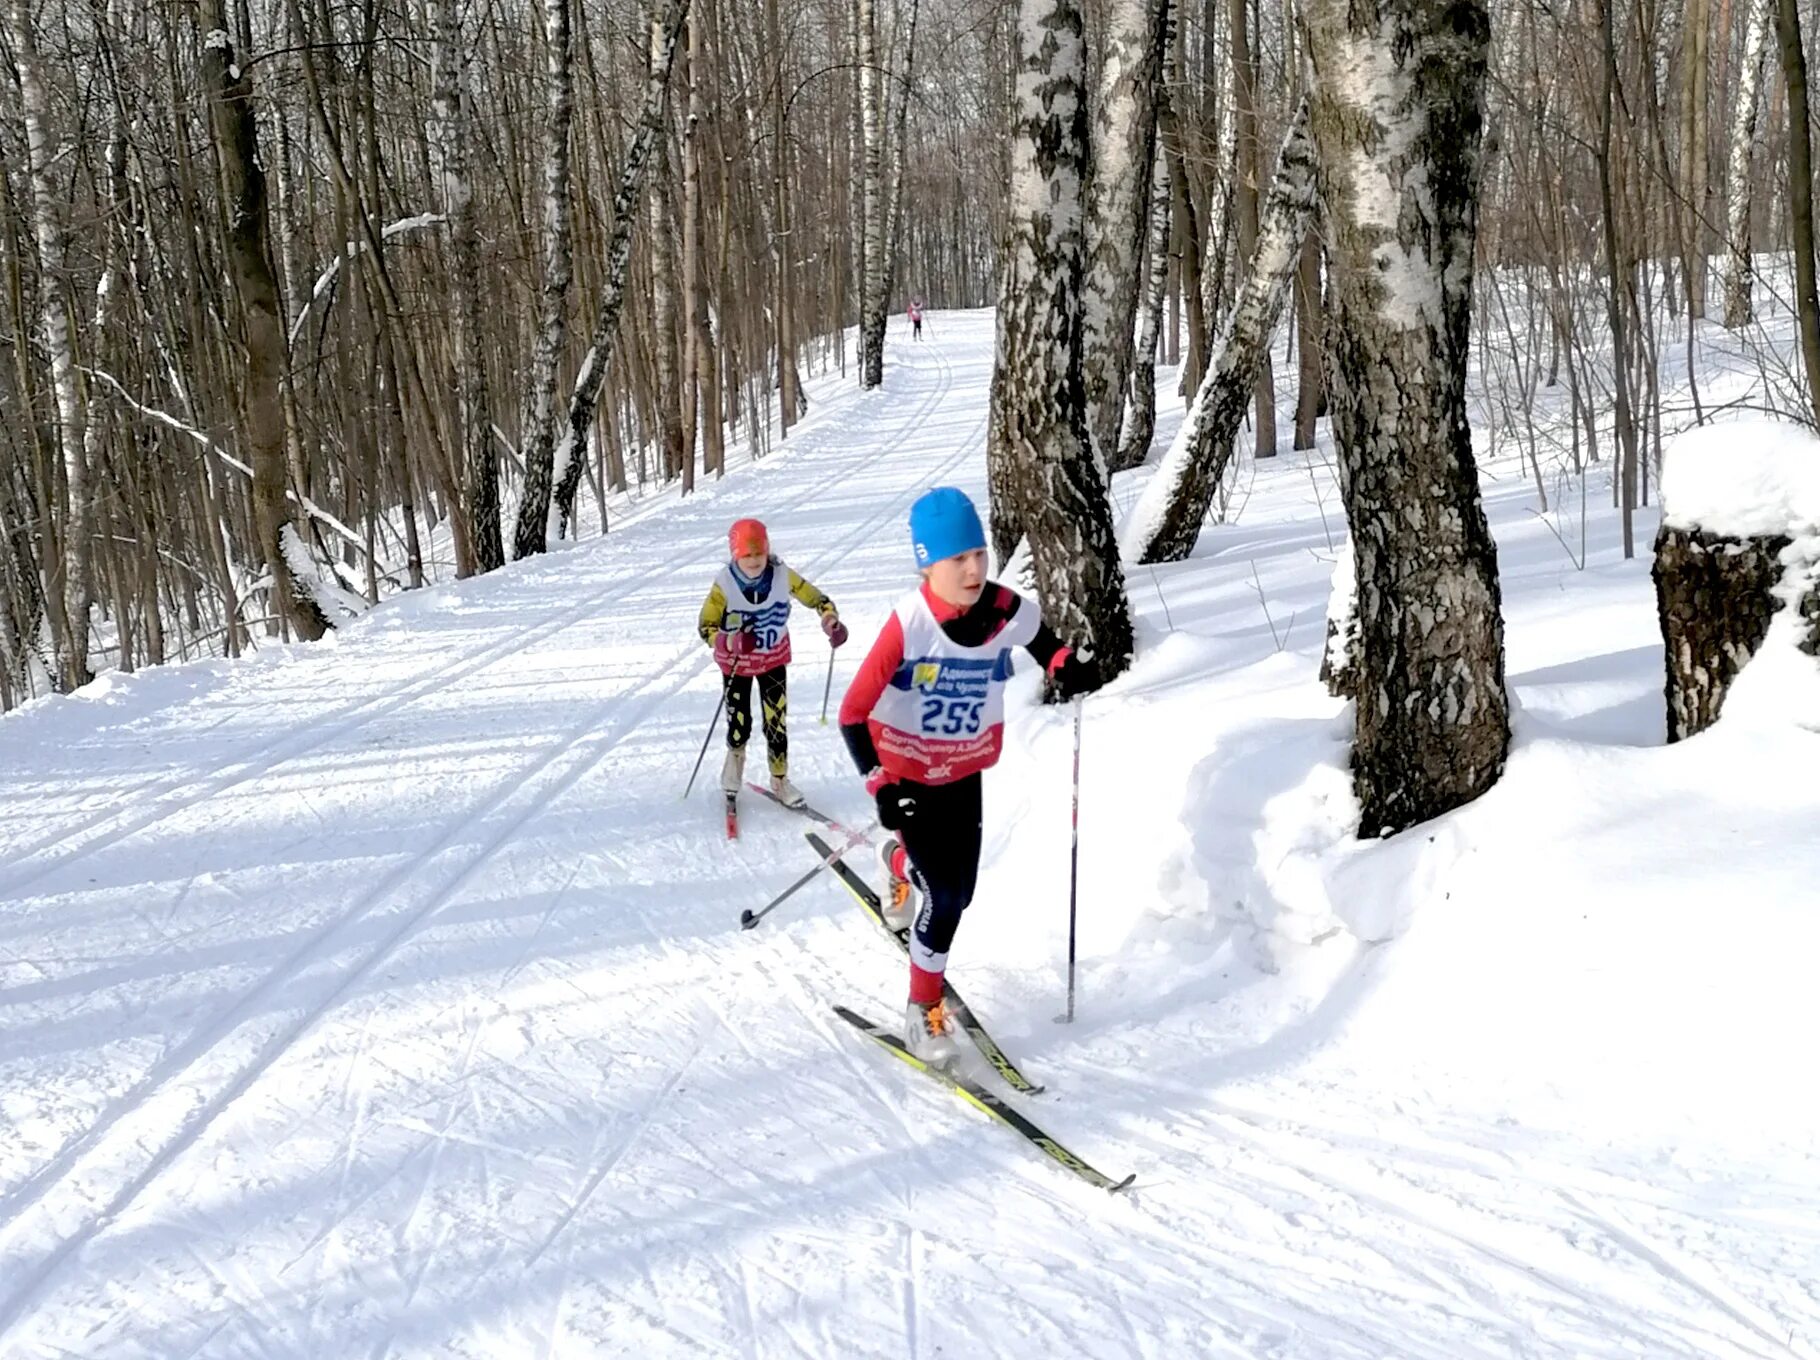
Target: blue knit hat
943, 523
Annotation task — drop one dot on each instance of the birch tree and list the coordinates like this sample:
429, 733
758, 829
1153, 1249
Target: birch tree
539, 443
1743, 136
1118, 199
1801, 193
873, 303
572, 450
1168, 519
66, 567
1041, 401
479, 460
261, 327
1140, 419
1247, 161
1396, 112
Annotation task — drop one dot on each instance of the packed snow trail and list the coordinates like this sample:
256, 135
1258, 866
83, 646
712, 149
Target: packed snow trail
383, 997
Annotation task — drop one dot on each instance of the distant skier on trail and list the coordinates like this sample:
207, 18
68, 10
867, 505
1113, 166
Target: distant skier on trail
922, 718
915, 312
745, 619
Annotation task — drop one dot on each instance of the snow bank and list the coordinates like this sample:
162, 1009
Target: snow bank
1743, 479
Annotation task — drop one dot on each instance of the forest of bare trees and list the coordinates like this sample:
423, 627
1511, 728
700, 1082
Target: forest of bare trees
307, 302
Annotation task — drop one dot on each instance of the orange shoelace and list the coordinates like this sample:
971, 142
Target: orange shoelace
935, 1019
900, 894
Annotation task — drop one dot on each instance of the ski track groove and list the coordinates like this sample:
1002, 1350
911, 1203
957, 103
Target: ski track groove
214, 1032
259, 759
604, 1168
1653, 1333
218, 1030
56, 1172
1740, 1310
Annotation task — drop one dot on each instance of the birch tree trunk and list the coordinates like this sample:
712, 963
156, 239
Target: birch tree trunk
1140, 418
900, 110
479, 461
1118, 200
1801, 192
67, 587
1042, 403
1310, 323
872, 298
1614, 307
261, 325
789, 389
1744, 134
1168, 519
665, 305
1396, 114
1247, 159
664, 293
1695, 25
572, 450
702, 341
539, 443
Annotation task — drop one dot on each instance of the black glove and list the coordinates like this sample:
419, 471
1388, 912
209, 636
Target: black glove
1074, 676
896, 805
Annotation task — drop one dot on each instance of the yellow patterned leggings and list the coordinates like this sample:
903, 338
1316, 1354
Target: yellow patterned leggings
774, 702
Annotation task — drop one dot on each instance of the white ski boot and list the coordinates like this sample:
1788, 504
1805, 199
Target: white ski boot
899, 904
785, 792
733, 771
929, 1034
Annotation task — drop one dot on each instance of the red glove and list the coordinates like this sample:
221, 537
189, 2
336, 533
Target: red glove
834, 628
729, 647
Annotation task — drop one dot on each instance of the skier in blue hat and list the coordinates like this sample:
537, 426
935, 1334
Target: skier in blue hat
923, 718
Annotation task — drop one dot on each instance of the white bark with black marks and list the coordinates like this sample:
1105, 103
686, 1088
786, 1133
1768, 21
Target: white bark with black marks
290, 570
67, 586
666, 297
539, 443
1139, 425
1168, 519
1397, 115
1124, 149
449, 145
1744, 135
572, 448
1041, 403
872, 211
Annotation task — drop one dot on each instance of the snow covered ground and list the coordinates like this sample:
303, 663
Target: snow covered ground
384, 997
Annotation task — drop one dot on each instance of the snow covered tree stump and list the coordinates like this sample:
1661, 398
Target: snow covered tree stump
1737, 567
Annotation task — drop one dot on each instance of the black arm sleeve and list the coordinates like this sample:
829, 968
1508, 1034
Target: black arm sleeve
858, 737
1044, 646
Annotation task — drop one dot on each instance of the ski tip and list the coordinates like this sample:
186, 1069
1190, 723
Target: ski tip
1122, 1185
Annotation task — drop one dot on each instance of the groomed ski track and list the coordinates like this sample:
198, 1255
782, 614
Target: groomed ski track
383, 998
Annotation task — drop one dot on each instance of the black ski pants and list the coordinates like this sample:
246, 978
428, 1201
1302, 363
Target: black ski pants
774, 701
943, 842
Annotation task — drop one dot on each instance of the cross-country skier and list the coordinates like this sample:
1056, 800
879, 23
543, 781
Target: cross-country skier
923, 717
745, 619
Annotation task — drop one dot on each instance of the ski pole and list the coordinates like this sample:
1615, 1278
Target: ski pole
712, 724
828, 687
1074, 857
749, 918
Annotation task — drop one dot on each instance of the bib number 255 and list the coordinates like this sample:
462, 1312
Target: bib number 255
952, 717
